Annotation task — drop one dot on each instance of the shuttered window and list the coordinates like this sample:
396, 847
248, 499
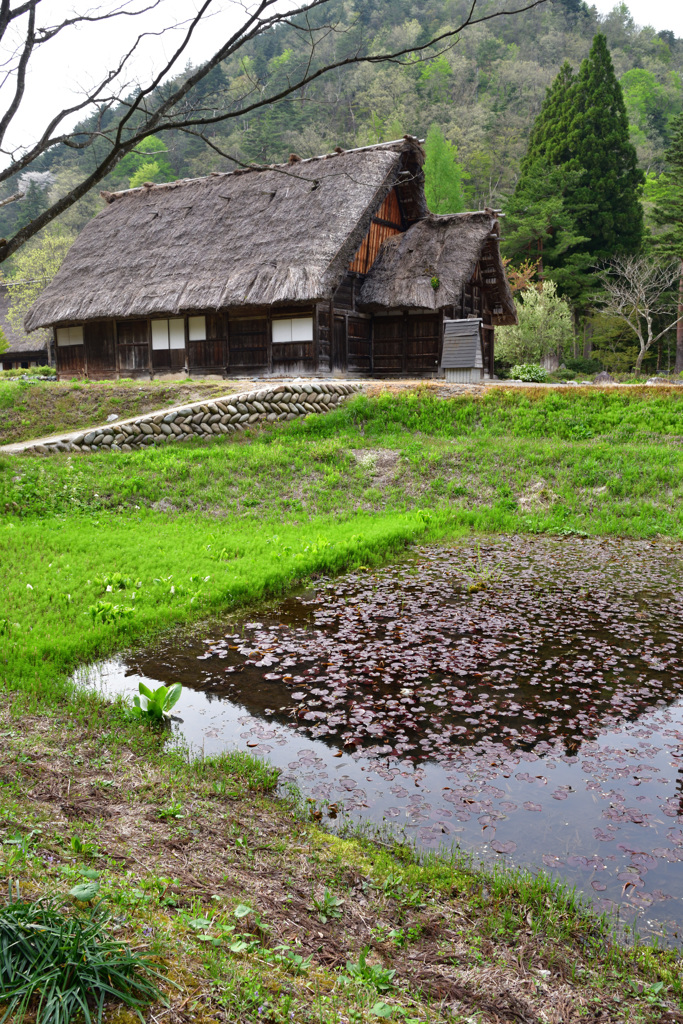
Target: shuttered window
168, 334
296, 329
67, 336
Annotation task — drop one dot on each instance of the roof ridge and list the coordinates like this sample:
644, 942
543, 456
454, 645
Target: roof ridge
404, 142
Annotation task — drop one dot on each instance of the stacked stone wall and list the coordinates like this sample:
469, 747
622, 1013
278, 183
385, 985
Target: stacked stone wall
228, 415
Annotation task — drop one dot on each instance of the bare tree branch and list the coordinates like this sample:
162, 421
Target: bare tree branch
154, 107
638, 291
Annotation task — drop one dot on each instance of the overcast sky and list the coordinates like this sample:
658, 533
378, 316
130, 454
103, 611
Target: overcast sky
661, 14
78, 57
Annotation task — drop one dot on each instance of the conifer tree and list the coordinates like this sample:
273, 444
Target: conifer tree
666, 192
579, 180
547, 142
607, 202
443, 174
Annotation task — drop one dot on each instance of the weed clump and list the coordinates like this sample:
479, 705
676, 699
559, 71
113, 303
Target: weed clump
55, 965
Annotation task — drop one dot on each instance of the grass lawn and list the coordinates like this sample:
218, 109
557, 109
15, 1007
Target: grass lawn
103, 550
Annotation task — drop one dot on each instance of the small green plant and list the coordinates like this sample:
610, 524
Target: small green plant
329, 907
481, 575
435, 283
174, 810
57, 966
106, 613
155, 705
531, 373
375, 975
83, 849
285, 956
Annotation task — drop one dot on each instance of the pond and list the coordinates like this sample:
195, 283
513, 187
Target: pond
522, 698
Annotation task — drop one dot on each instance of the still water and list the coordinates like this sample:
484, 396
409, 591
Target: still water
522, 698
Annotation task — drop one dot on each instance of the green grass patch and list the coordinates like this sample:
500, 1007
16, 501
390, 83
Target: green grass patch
198, 860
34, 408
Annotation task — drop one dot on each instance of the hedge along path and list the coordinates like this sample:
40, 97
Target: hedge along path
227, 415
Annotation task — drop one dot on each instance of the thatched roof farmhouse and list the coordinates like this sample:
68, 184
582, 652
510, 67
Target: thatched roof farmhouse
326, 265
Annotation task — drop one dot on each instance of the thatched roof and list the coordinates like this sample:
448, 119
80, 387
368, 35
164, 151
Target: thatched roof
281, 234
19, 342
444, 249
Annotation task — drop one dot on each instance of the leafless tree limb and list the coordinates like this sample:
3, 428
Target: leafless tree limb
12, 199
157, 107
638, 291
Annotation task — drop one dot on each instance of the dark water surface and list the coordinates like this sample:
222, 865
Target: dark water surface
523, 699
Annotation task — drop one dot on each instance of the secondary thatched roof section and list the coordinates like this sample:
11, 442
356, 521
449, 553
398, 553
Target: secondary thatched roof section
19, 342
281, 234
444, 249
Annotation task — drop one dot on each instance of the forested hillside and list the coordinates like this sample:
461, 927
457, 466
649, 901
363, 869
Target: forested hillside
484, 92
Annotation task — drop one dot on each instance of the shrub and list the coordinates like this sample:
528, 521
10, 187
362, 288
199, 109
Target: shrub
530, 372
563, 374
33, 372
582, 365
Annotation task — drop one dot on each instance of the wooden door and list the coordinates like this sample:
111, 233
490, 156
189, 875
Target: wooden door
100, 350
248, 344
132, 344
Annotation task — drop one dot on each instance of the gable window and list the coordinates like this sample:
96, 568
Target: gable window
168, 334
296, 329
67, 336
196, 326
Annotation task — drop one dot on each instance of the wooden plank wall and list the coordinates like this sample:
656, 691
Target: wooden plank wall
359, 330
386, 222
70, 359
423, 348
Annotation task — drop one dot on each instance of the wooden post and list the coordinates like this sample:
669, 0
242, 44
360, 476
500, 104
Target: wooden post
316, 341
225, 324
679, 326
404, 361
333, 351
346, 341
117, 356
150, 357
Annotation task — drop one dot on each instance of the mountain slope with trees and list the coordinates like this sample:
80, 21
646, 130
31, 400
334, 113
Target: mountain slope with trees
483, 92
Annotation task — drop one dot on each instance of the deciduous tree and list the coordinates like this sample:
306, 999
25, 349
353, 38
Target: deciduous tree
637, 291
443, 174
666, 193
543, 331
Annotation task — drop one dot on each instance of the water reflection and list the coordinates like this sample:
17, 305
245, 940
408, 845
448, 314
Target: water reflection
523, 699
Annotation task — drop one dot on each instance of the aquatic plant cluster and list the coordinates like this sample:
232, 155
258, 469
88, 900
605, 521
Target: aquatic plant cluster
531, 673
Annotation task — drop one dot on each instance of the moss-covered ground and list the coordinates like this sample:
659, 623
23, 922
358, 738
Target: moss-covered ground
101, 551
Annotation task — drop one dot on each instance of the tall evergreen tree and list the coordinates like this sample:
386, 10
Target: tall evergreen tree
547, 141
579, 183
539, 221
666, 192
607, 201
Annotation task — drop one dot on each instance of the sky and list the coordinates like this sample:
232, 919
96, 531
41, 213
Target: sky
78, 57
661, 14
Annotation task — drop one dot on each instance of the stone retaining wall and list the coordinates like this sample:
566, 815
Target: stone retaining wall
205, 419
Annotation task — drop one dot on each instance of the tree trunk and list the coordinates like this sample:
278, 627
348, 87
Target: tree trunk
588, 341
639, 361
679, 326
